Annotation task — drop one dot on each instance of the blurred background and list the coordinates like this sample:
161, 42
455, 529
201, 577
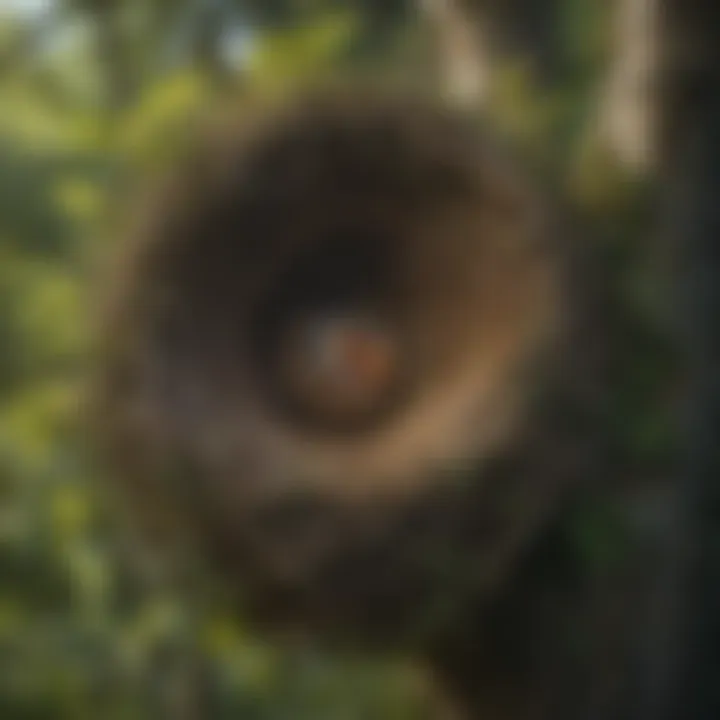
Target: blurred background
94, 95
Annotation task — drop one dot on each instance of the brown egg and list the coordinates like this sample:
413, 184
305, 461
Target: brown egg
340, 367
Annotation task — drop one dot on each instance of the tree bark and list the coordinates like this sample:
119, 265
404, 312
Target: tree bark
627, 122
684, 653
474, 36
464, 59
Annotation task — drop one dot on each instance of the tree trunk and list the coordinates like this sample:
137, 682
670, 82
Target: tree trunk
474, 36
684, 655
465, 63
627, 109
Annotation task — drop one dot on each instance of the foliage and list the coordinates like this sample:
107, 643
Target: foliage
82, 633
